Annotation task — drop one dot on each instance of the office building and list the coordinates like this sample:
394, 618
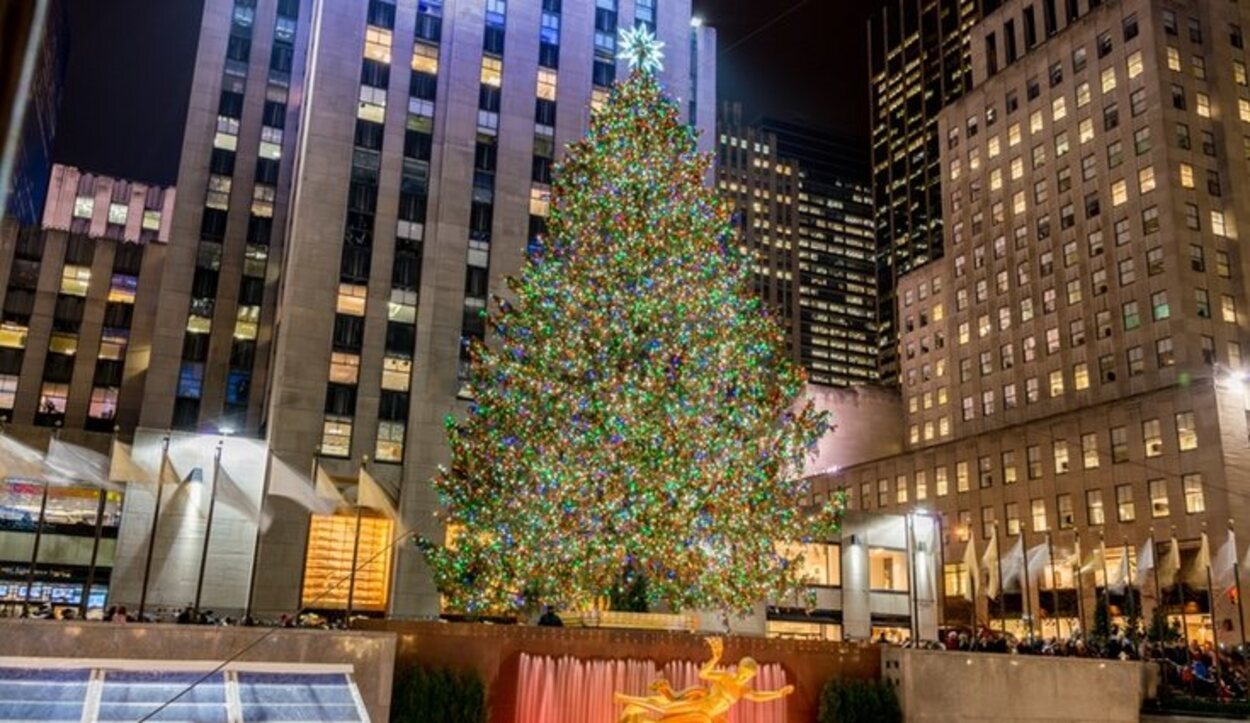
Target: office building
355, 181
804, 211
1073, 366
837, 284
920, 55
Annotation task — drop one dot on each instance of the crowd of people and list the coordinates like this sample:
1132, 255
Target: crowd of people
188, 615
1187, 668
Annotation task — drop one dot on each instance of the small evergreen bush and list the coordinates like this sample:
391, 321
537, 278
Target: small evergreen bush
425, 695
859, 701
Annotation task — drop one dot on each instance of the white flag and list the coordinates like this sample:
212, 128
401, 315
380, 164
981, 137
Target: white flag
235, 497
1170, 565
20, 460
1223, 564
1145, 560
1039, 560
972, 566
124, 468
1197, 575
1119, 577
371, 495
1013, 566
994, 585
320, 498
79, 464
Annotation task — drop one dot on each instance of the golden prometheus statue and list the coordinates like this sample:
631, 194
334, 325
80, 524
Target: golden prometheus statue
698, 704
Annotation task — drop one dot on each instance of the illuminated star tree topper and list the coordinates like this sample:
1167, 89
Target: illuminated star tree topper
634, 410
642, 49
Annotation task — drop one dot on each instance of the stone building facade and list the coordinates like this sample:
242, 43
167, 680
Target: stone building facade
1073, 365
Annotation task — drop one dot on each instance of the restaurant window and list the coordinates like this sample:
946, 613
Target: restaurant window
887, 570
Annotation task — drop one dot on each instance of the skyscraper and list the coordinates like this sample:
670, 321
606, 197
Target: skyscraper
356, 181
1074, 364
920, 55
804, 210
837, 285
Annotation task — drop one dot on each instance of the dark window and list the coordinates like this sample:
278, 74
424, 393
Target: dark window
382, 13
128, 259
267, 171
401, 338
230, 104
213, 225
375, 74
79, 251
238, 49
340, 399
423, 86
280, 57
488, 98
259, 230
275, 114
195, 347
354, 266
492, 41
418, 145
369, 135
186, 413
406, 273
221, 162
545, 112
348, 332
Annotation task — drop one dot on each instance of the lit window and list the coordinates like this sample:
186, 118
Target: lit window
492, 72
887, 570
122, 289
103, 403
1174, 59
1119, 193
75, 280
336, 436
372, 105
1038, 510
1203, 105
403, 306
12, 336
1187, 175
1056, 383
118, 213
1093, 507
390, 447
84, 207
1152, 437
1228, 308
1108, 80
247, 322
151, 220
396, 373
378, 44
425, 58
1195, 501
1089, 451
1058, 109
540, 201
52, 398
1085, 130
113, 343
1080, 376
547, 84
8, 391
1243, 110
1219, 225
351, 299
1125, 510
1135, 65
62, 342
218, 196
1186, 432
1159, 504
263, 196
1146, 179
344, 368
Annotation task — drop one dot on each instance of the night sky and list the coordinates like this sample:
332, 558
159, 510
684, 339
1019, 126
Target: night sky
130, 66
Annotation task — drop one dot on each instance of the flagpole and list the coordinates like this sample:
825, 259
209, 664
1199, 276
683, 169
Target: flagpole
1154, 555
34, 551
85, 604
1241, 613
1080, 585
1131, 605
1054, 583
972, 580
156, 519
1106, 579
208, 528
1028, 602
1180, 587
1215, 632
260, 522
913, 592
1002, 598
351, 583
303, 569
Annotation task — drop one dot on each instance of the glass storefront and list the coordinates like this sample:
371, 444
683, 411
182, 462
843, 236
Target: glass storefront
327, 568
52, 557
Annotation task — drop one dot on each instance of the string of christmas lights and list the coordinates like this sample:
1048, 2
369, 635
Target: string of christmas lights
634, 410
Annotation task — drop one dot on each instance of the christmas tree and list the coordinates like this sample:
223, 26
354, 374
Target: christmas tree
635, 408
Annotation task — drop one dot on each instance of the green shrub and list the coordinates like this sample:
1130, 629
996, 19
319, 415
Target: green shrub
859, 701
424, 695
